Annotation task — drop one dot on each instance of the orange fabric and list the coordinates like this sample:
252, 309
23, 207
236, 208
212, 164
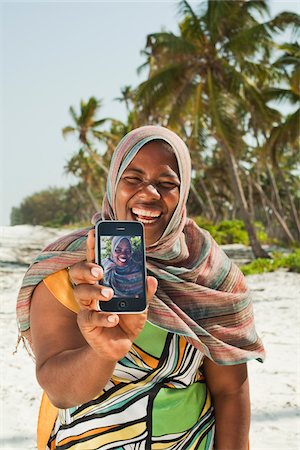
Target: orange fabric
46, 420
59, 285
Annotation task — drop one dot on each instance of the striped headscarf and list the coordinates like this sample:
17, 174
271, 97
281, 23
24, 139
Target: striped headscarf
201, 294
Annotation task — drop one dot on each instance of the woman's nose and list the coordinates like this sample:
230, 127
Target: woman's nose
150, 190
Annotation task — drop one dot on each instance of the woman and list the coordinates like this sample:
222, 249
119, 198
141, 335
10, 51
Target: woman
121, 272
172, 378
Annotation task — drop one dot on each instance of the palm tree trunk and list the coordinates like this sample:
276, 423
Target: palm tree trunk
209, 200
197, 197
93, 199
250, 196
97, 158
275, 190
276, 213
83, 213
257, 249
291, 201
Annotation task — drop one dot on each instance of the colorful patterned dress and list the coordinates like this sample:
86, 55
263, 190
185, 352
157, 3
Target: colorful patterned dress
157, 399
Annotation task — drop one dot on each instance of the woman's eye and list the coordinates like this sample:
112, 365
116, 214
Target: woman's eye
133, 180
168, 185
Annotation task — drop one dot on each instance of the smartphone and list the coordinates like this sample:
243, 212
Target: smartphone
120, 250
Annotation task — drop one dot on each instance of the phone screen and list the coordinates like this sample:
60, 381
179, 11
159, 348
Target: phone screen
120, 249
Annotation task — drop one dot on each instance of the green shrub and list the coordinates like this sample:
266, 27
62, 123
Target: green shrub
261, 265
292, 261
230, 231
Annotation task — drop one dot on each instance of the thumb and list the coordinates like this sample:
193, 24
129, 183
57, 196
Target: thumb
151, 287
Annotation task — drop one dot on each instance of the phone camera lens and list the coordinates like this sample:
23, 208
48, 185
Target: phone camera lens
122, 304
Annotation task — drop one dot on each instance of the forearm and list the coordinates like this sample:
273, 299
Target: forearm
232, 413
73, 377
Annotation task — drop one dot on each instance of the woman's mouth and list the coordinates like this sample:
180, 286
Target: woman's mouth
146, 216
122, 260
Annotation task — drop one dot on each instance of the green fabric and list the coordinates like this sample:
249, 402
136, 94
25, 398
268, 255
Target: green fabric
182, 407
151, 345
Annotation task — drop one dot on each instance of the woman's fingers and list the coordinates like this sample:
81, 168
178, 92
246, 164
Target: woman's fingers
85, 272
89, 320
87, 295
90, 246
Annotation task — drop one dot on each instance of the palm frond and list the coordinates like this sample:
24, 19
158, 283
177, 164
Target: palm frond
258, 6
283, 21
98, 123
183, 97
290, 57
191, 25
265, 115
224, 19
159, 87
68, 130
287, 133
295, 82
170, 44
89, 109
249, 40
222, 112
279, 95
261, 74
73, 114
185, 9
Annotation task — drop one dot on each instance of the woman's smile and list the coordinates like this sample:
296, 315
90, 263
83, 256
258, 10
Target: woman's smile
146, 216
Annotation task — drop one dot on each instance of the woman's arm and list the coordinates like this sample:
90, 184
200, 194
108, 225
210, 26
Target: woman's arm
229, 388
67, 368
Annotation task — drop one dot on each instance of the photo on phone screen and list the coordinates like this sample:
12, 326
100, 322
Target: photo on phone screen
122, 257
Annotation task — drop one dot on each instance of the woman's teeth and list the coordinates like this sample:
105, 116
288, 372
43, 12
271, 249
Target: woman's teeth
146, 216
122, 260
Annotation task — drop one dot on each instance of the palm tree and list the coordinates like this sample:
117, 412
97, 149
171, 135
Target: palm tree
87, 128
126, 97
90, 175
210, 75
283, 139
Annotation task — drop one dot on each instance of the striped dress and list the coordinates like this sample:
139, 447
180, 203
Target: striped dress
156, 399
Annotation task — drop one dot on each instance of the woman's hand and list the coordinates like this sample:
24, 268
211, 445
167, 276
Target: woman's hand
110, 335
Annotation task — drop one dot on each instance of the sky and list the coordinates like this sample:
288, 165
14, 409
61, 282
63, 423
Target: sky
55, 54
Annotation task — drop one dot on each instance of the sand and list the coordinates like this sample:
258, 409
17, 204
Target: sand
274, 384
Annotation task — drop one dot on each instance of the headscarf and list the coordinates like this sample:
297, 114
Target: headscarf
125, 281
201, 294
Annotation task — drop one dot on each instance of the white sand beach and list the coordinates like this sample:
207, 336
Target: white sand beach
274, 384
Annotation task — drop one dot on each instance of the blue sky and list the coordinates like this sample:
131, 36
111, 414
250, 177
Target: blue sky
54, 54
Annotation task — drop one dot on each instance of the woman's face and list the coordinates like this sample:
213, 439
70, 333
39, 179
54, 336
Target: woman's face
122, 253
148, 190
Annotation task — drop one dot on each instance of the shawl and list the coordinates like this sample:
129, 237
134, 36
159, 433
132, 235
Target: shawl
125, 281
201, 294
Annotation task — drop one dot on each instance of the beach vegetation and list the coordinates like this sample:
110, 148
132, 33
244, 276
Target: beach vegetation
231, 231
290, 262
54, 207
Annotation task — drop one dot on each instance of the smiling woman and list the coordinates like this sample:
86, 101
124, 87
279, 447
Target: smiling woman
174, 376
